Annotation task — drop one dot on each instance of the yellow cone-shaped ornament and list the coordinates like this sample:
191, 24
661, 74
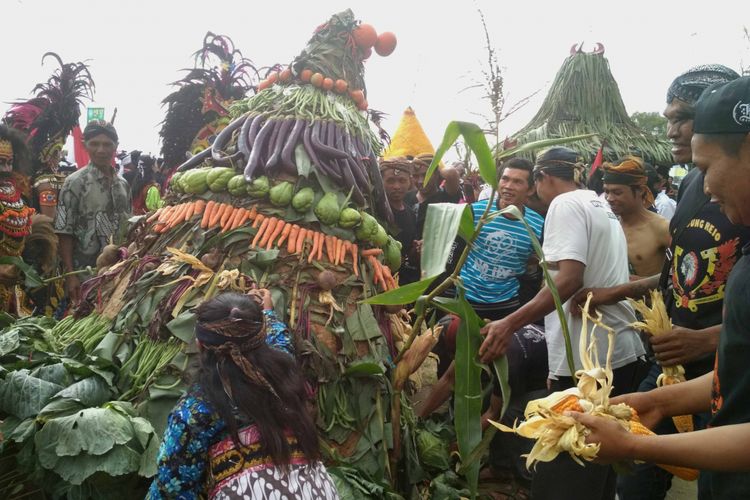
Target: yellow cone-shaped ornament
409, 138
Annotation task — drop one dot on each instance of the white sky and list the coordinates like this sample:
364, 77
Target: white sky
136, 48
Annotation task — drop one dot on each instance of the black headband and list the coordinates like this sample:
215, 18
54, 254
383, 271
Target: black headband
611, 177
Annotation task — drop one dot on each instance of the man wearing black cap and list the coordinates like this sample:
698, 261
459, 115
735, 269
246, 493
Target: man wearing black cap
721, 148
705, 246
93, 202
584, 246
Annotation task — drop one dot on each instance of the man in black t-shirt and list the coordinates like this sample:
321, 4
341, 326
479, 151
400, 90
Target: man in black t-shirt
705, 247
396, 174
721, 148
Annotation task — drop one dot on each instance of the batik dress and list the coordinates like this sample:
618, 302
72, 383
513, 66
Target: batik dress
198, 459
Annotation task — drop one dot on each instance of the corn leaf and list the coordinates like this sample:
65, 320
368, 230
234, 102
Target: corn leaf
402, 295
468, 386
476, 141
440, 228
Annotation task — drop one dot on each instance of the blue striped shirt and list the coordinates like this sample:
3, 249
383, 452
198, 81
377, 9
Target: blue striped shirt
499, 256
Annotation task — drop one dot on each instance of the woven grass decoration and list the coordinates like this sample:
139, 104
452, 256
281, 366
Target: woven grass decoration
585, 99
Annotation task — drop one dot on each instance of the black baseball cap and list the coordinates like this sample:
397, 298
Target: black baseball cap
724, 108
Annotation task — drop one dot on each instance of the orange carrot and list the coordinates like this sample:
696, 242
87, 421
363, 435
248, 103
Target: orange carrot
207, 213
230, 220
258, 220
301, 240
154, 215
216, 215
276, 232
292, 242
237, 214
200, 206
355, 252
258, 235
234, 219
339, 256
272, 222
226, 216
189, 211
377, 271
372, 251
252, 213
164, 217
330, 248
314, 250
321, 245
388, 277
177, 215
241, 218
284, 234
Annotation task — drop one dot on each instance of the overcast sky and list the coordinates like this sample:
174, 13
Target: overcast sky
136, 48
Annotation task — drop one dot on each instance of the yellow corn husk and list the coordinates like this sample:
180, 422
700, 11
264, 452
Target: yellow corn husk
416, 354
555, 432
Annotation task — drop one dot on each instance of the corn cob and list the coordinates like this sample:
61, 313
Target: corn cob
685, 473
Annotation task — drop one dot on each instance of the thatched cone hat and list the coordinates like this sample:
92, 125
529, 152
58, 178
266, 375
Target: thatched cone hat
409, 139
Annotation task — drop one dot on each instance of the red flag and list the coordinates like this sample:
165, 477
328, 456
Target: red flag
597, 161
81, 156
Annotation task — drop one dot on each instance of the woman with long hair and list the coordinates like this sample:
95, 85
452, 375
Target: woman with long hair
243, 430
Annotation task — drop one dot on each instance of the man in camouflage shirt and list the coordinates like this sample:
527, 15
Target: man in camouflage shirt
93, 202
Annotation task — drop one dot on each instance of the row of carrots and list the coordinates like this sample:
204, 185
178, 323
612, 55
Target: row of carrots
274, 230
225, 215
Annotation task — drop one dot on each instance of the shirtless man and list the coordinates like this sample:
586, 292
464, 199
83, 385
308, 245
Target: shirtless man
646, 232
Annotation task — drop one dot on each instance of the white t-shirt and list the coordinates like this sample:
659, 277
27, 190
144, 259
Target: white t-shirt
665, 206
580, 227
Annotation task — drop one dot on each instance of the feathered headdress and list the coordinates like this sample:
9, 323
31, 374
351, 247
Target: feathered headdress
221, 75
16, 140
51, 114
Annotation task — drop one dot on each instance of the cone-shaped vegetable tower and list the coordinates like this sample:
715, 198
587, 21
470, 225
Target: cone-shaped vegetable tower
409, 138
584, 98
287, 198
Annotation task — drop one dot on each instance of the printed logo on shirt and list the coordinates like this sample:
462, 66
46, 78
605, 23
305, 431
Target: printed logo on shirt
690, 287
496, 245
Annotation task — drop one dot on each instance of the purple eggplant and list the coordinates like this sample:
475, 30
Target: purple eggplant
323, 168
287, 153
350, 181
382, 207
342, 139
242, 144
260, 144
321, 148
278, 144
223, 138
195, 160
252, 132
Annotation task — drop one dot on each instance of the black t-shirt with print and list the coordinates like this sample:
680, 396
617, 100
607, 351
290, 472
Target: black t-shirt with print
730, 398
406, 222
704, 254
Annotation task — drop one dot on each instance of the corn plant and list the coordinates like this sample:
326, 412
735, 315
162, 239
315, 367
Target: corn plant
444, 221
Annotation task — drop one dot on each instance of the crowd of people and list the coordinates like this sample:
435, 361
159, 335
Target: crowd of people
616, 232
622, 237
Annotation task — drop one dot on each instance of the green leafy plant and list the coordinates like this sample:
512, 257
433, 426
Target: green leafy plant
444, 221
